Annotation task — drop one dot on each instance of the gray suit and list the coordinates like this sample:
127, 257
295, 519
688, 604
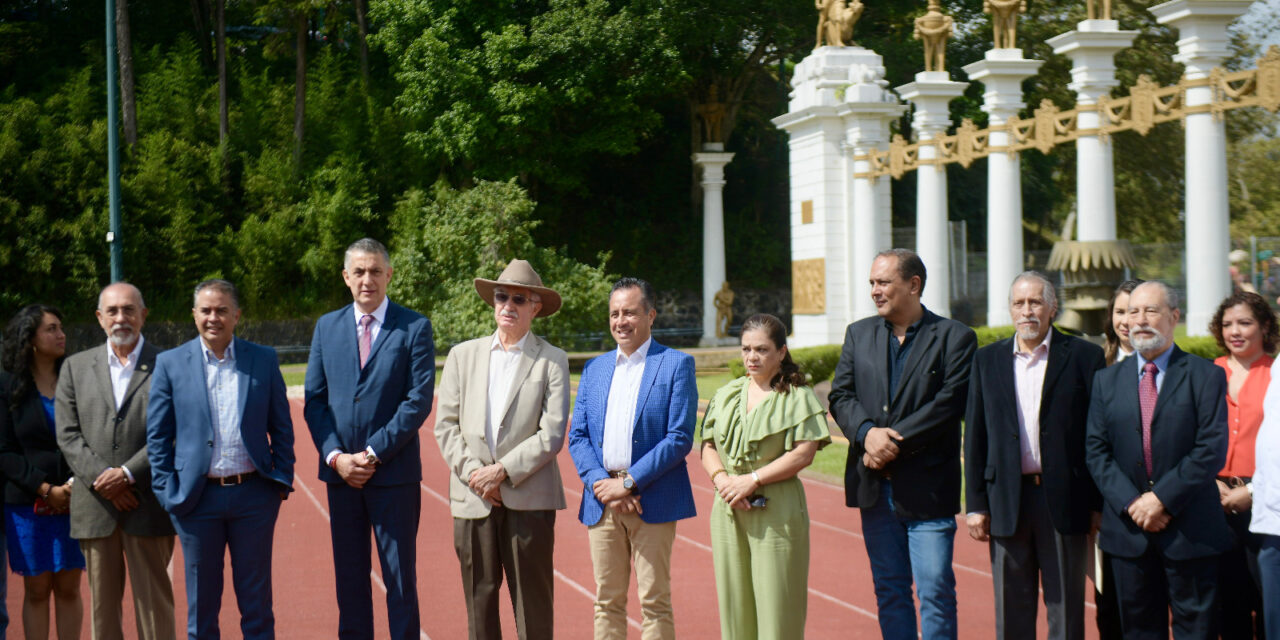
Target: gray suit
94, 436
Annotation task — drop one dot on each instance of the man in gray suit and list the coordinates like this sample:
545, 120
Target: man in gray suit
102, 430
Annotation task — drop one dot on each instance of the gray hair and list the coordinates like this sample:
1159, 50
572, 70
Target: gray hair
366, 245
142, 303
219, 285
1170, 294
1049, 292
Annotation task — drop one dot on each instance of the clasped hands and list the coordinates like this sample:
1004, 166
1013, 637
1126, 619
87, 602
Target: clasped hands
354, 468
1234, 499
1148, 512
736, 491
487, 481
880, 447
113, 484
613, 495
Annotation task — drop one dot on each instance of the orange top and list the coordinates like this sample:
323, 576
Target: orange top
1244, 418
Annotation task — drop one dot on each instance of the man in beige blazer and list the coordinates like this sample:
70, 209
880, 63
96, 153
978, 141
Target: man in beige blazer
102, 431
500, 422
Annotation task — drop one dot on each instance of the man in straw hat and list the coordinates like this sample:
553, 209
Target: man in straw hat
500, 422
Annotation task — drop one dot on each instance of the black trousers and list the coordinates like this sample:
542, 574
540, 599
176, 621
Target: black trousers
1150, 586
1240, 583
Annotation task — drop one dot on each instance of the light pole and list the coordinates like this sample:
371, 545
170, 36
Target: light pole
113, 149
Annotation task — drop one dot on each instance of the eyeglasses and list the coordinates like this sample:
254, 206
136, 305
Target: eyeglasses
501, 298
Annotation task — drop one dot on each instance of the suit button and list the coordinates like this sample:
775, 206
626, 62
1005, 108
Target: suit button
119, 419
886, 408
357, 399
115, 446
210, 444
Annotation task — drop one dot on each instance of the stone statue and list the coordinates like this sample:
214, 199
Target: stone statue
934, 29
836, 20
712, 114
1004, 20
724, 310
1092, 6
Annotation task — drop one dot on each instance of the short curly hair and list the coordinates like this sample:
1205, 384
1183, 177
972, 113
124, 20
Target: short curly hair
1261, 312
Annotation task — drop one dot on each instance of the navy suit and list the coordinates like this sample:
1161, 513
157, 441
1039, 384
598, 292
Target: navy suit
380, 406
210, 518
1188, 447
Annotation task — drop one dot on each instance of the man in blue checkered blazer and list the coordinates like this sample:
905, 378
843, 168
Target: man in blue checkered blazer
631, 429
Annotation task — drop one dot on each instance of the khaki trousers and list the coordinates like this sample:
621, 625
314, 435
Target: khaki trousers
618, 541
147, 559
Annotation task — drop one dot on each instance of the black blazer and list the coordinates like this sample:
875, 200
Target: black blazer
926, 411
29, 453
1188, 447
992, 437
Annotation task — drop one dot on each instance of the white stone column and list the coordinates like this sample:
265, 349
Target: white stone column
713, 269
868, 109
1203, 45
931, 93
1092, 48
1002, 72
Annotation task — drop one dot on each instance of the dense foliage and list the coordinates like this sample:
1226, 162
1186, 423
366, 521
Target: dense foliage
570, 121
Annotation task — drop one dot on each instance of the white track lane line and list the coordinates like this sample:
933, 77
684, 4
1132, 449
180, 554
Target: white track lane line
376, 578
573, 584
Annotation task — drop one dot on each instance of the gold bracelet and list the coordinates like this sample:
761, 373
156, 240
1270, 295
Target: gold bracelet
716, 473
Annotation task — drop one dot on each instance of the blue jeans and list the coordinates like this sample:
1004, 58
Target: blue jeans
1269, 566
903, 550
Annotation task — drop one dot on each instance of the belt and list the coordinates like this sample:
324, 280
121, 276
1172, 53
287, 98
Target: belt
232, 480
1033, 478
619, 474
1235, 481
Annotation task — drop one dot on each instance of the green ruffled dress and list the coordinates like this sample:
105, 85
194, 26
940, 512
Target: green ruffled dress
762, 555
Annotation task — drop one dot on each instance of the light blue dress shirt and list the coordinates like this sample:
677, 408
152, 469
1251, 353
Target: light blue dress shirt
223, 383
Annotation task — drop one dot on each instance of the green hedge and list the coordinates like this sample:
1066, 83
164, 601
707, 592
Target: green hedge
987, 335
817, 363
1203, 346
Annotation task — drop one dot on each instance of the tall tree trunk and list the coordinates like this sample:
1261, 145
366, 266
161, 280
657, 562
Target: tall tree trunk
200, 17
224, 127
364, 44
124, 53
300, 88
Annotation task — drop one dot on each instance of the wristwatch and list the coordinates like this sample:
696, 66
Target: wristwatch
629, 484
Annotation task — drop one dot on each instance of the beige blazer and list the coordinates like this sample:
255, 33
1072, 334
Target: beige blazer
532, 432
94, 436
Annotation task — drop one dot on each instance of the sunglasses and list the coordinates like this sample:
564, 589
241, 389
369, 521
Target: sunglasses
501, 298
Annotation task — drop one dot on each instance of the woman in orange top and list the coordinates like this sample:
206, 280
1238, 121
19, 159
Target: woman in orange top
1246, 329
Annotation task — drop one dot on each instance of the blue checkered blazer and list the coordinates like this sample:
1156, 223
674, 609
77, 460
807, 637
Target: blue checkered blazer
666, 411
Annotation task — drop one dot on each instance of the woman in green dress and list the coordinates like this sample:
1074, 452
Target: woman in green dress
759, 432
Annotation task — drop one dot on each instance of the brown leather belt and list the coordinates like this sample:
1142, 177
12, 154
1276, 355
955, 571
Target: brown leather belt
231, 481
1033, 478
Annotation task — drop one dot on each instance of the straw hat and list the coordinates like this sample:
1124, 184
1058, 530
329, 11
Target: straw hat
520, 274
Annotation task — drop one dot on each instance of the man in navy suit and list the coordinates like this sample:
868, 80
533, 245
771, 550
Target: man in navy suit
368, 391
220, 442
1157, 437
632, 427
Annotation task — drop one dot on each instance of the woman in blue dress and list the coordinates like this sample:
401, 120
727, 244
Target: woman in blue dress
38, 492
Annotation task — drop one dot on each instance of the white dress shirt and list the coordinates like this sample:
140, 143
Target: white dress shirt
502, 372
229, 455
120, 374
1028, 382
379, 316
1266, 473
620, 412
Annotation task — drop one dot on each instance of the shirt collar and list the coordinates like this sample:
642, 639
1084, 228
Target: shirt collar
915, 326
496, 343
379, 314
1162, 360
1044, 344
636, 356
133, 355
208, 353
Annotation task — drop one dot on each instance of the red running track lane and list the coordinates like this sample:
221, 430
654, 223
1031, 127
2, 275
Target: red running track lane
841, 596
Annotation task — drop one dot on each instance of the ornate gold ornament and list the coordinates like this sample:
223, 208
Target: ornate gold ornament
934, 29
809, 286
835, 21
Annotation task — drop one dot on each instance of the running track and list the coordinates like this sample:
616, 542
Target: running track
841, 600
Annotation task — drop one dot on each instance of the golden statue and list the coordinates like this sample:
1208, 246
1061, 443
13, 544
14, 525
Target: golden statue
724, 310
712, 114
1092, 6
934, 29
836, 20
1004, 20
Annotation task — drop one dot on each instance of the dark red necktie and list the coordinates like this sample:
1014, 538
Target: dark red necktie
366, 338
1147, 401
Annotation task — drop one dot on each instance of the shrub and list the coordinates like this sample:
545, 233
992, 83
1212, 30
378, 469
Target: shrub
1203, 346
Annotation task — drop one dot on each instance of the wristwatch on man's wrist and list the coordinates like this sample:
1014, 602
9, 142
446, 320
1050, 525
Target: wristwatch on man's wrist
629, 484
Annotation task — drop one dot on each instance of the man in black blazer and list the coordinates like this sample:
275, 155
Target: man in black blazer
898, 395
1157, 437
1027, 488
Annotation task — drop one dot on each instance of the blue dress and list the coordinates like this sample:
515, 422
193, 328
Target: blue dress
40, 543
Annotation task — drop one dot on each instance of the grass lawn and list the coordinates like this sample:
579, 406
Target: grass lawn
828, 464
